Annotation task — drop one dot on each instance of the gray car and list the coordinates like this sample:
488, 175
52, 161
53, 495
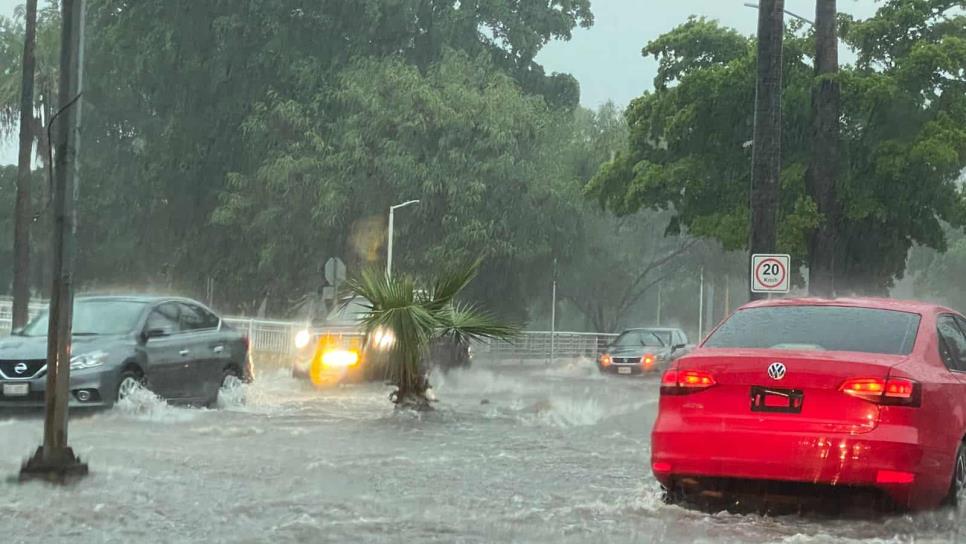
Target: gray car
175, 347
640, 351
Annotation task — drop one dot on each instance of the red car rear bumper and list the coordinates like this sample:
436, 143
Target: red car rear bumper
888, 458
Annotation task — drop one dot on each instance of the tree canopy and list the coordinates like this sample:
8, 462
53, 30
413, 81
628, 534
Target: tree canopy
903, 138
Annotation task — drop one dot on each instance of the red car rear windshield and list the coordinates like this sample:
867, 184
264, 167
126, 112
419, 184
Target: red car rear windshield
828, 328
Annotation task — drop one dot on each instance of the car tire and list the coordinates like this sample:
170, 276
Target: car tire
128, 382
957, 485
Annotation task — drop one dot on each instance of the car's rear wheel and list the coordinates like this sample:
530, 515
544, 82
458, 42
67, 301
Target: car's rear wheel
957, 487
231, 383
129, 383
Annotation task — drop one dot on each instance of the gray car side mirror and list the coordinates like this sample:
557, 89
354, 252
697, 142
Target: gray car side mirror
155, 333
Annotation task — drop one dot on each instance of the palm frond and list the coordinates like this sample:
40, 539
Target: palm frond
464, 322
447, 286
392, 306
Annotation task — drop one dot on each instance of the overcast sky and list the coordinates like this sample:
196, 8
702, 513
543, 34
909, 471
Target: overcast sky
606, 59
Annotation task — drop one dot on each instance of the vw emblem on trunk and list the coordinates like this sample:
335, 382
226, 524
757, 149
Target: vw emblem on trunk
776, 371
20, 368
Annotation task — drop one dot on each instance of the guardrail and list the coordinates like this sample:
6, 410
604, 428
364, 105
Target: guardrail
277, 337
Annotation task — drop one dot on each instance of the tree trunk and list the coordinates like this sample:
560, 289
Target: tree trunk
822, 171
766, 160
22, 211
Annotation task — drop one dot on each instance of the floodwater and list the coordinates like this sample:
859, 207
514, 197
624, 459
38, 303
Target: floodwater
514, 453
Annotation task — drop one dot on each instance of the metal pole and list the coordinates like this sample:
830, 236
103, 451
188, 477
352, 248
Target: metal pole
701, 307
660, 288
54, 460
766, 153
392, 214
553, 316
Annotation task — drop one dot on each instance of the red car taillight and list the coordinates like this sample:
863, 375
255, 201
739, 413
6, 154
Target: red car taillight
682, 382
891, 391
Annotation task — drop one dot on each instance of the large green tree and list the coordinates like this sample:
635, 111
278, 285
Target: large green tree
462, 138
903, 138
176, 91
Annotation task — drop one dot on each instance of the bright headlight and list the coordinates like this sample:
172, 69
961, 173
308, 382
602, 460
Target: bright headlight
302, 339
88, 360
340, 358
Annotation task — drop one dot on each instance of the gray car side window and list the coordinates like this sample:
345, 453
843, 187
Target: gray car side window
191, 318
196, 318
164, 317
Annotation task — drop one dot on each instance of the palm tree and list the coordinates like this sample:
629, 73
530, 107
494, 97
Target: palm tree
416, 317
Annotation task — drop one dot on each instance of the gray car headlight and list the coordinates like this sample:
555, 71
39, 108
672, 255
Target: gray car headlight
88, 360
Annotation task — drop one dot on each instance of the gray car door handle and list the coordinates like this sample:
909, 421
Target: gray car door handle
184, 352
219, 349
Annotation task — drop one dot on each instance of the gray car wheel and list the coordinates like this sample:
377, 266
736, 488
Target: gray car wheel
129, 383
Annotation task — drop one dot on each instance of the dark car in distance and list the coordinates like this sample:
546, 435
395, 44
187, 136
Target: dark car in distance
639, 351
175, 347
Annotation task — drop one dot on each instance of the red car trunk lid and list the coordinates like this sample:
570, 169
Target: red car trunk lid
805, 397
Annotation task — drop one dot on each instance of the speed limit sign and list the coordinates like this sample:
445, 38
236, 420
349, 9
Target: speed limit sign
769, 273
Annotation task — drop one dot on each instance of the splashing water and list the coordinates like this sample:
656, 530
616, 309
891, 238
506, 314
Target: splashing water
144, 405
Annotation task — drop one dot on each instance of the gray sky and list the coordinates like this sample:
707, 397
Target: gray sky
606, 59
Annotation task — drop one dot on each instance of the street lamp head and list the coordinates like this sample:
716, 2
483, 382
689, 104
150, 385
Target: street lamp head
404, 204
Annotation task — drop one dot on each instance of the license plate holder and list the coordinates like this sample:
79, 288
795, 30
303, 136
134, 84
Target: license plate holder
623, 370
16, 389
774, 399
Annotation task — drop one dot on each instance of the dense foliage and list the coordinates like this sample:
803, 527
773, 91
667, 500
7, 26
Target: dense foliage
249, 143
904, 141
239, 145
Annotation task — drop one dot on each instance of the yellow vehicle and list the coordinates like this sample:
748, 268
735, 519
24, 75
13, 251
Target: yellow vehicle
338, 351
329, 358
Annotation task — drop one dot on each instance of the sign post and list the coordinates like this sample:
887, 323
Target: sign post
770, 273
334, 270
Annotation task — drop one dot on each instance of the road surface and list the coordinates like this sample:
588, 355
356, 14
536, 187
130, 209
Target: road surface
513, 453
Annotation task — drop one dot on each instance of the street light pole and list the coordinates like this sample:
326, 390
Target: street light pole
553, 316
392, 217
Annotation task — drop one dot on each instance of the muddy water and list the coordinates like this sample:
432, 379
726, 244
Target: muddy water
513, 453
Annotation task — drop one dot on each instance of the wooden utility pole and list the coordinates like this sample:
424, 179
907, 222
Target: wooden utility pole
54, 460
766, 157
22, 210
821, 176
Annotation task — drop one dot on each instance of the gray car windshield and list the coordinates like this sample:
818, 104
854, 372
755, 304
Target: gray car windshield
632, 339
95, 317
832, 328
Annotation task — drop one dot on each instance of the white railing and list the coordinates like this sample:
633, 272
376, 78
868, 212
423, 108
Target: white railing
277, 337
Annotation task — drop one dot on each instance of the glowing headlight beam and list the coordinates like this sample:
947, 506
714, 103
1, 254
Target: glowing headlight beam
302, 339
340, 358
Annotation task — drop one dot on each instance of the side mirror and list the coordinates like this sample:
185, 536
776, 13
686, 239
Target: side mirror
677, 347
154, 333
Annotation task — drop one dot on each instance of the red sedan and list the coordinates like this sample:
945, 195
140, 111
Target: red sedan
808, 395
